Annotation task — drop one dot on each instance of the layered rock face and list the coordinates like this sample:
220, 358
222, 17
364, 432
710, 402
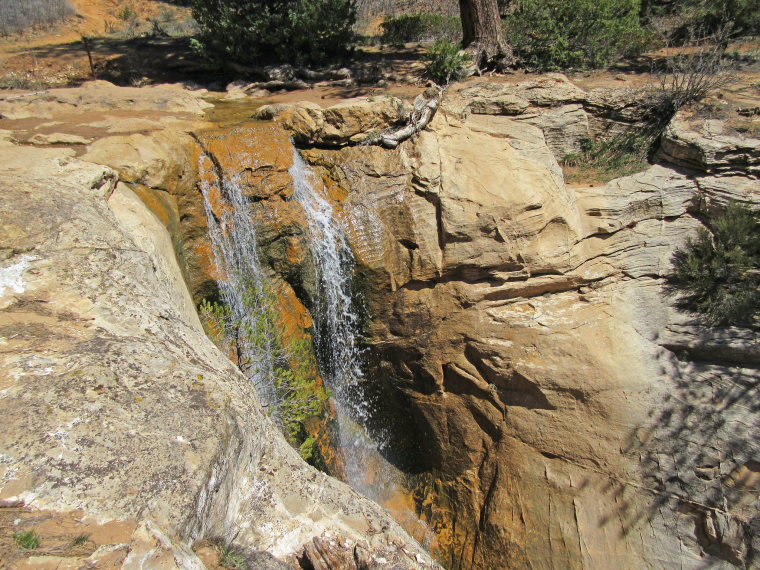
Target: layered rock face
122, 423
566, 414
554, 408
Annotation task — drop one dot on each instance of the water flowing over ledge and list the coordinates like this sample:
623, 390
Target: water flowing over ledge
358, 436
242, 287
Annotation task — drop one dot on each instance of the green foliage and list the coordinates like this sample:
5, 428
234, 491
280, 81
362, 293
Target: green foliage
303, 395
308, 447
718, 272
293, 371
28, 539
233, 559
126, 14
737, 17
605, 159
321, 29
446, 62
80, 540
218, 322
296, 31
575, 34
421, 27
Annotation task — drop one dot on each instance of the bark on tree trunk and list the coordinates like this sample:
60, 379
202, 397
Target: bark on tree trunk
484, 34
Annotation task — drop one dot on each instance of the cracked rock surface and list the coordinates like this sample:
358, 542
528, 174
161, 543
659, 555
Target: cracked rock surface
568, 416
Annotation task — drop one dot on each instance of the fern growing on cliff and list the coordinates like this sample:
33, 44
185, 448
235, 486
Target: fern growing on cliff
718, 273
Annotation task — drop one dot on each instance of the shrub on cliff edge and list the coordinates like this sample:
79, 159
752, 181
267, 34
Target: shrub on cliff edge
718, 273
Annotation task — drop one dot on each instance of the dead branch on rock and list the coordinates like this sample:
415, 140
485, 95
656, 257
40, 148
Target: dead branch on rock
425, 108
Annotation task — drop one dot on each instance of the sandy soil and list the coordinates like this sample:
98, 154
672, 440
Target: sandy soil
56, 57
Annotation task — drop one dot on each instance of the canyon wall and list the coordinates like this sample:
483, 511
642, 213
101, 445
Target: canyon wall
552, 407
562, 412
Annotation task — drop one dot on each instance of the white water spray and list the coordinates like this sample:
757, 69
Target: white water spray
336, 330
242, 286
336, 335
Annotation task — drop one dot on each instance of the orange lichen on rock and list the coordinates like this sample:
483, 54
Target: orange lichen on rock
207, 265
295, 317
255, 156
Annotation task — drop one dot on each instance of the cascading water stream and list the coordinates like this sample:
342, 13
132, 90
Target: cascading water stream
336, 335
336, 321
242, 287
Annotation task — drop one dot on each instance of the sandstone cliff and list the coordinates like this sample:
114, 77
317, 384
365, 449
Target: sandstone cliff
122, 422
566, 414
553, 408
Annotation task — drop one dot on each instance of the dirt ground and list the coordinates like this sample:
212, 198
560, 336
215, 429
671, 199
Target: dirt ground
64, 540
141, 42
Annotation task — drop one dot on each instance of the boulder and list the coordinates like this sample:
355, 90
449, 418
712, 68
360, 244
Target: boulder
350, 122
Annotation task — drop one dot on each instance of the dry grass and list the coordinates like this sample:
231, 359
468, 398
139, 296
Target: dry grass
20, 15
398, 7
372, 12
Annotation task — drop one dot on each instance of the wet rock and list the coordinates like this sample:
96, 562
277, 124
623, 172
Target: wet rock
153, 425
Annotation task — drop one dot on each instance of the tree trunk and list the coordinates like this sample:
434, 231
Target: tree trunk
484, 34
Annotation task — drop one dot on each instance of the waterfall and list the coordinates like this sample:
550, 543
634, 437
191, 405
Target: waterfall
336, 335
243, 289
242, 285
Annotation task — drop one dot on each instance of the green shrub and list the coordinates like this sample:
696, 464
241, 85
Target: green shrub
28, 540
79, 540
256, 31
308, 448
232, 558
575, 34
708, 17
446, 62
126, 14
605, 159
294, 372
718, 273
421, 27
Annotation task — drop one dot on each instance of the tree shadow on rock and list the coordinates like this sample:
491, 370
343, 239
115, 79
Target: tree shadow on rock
699, 455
